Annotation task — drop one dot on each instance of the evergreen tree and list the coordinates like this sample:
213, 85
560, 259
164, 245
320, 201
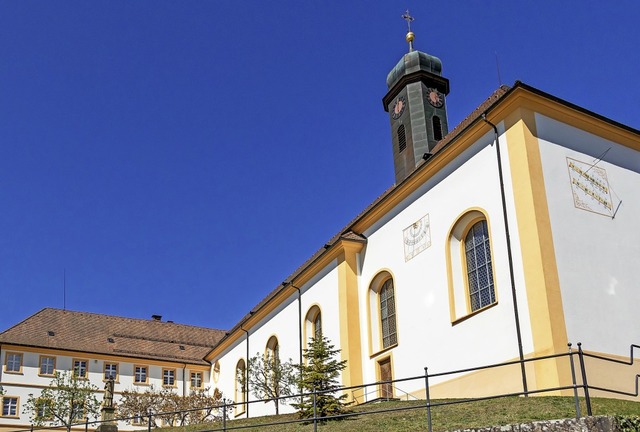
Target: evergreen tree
320, 374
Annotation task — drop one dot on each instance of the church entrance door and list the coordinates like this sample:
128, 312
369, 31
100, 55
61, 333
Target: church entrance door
386, 390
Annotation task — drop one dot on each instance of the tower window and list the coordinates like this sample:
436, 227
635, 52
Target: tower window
402, 139
437, 128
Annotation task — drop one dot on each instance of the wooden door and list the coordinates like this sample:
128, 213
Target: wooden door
386, 390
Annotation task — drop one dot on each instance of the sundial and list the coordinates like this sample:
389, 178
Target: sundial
590, 187
416, 237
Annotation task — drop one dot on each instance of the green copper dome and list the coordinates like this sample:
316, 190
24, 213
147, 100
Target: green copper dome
413, 62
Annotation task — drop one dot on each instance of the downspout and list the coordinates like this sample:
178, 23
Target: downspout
1, 369
184, 380
246, 375
299, 319
299, 333
514, 296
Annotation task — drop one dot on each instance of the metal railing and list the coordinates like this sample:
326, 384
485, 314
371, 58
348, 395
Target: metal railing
226, 408
362, 394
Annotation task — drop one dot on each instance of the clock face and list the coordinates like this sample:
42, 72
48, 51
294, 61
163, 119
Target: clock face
435, 98
398, 108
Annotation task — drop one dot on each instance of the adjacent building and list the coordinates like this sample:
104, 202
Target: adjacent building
135, 353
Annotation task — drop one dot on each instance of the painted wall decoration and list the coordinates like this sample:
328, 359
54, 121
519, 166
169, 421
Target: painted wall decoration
417, 237
590, 187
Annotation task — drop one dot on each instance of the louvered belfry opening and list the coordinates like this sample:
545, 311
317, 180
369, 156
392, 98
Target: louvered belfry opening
437, 128
402, 139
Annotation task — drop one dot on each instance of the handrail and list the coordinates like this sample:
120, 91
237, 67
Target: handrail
226, 407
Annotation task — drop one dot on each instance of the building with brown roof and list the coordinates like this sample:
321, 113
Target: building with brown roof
136, 353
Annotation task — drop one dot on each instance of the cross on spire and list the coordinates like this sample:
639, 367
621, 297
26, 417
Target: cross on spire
408, 18
410, 36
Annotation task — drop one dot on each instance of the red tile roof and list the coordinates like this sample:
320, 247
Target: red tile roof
92, 334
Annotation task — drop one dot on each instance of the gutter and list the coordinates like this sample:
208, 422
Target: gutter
184, 380
246, 375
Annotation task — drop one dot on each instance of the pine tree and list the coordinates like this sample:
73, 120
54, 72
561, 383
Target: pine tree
320, 374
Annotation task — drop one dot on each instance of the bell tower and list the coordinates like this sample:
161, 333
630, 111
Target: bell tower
416, 105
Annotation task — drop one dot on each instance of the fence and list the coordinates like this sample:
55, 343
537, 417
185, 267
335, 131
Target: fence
227, 407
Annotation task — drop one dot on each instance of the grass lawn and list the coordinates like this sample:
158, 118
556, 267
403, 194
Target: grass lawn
412, 416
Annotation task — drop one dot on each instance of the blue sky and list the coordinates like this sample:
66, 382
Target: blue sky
182, 158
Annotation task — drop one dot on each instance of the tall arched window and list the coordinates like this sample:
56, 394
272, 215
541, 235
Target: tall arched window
478, 264
388, 314
382, 313
273, 348
317, 326
470, 265
313, 323
241, 386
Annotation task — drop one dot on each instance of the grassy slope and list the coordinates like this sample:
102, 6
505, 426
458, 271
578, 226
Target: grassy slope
459, 416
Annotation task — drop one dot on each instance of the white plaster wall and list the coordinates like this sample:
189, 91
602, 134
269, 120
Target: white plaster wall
426, 336
228, 361
322, 291
597, 256
324, 294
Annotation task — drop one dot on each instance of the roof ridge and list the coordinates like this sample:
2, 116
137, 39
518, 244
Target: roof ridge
117, 317
152, 339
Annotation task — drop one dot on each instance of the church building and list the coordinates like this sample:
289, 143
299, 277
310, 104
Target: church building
504, 238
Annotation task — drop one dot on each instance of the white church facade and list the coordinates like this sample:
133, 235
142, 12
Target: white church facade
507, 237
494, 245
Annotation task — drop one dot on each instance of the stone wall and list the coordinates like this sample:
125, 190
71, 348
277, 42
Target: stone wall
585, 424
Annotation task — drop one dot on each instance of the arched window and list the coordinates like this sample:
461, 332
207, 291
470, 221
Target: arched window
313, 323
317, 326
241, 386
383, 331
402, 139
388, 314
437, 128
478, 263
216, 371
273, 348
470, 265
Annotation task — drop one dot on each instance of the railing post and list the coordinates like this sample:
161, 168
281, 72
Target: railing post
315, 411
575, 384
149, 421
86, 424
587, 399
428, 397
224, 415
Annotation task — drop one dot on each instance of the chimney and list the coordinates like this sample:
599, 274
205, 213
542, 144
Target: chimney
156, 317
